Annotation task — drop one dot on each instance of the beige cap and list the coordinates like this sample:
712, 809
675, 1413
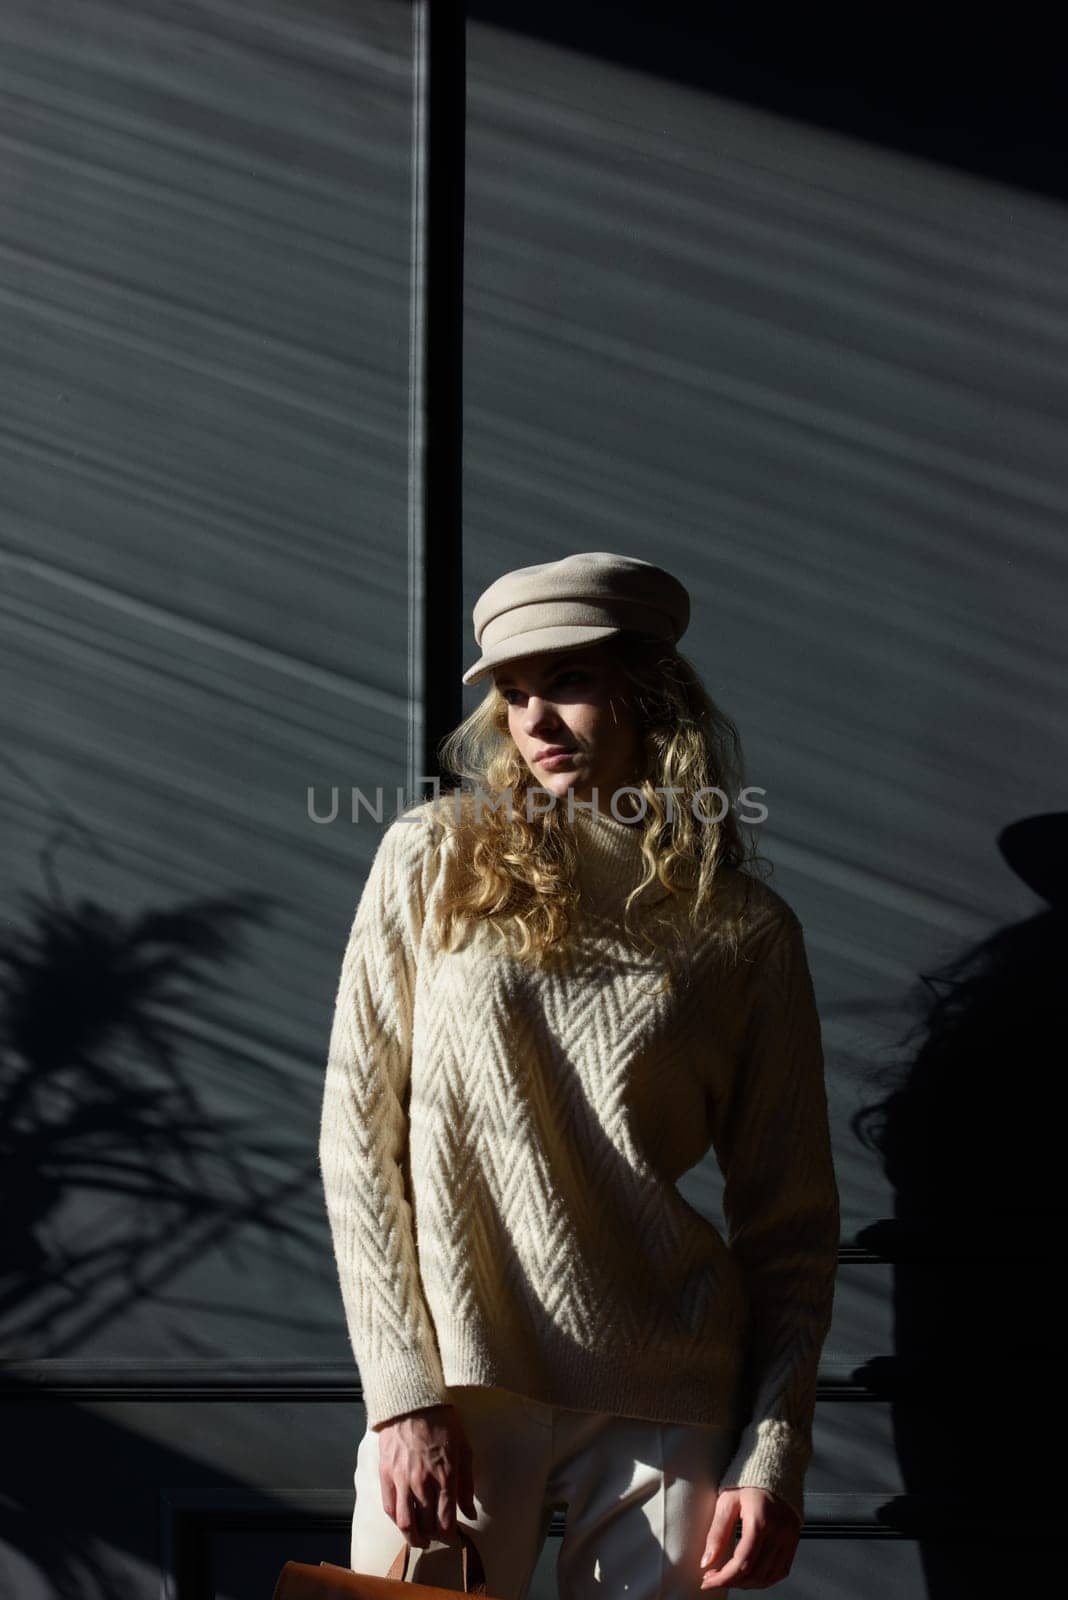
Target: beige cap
558, 605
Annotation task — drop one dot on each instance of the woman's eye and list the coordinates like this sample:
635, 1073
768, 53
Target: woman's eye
574, 675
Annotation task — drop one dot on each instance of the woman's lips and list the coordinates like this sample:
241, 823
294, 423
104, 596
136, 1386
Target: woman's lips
562, 757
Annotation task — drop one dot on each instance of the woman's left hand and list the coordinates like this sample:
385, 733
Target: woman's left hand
763, 1555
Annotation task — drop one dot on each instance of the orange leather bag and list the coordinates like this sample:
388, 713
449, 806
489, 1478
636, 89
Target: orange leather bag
299, 1580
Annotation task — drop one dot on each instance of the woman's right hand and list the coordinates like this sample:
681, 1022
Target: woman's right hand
426, 1470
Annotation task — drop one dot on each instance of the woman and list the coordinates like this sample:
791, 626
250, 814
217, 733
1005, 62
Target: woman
564, 986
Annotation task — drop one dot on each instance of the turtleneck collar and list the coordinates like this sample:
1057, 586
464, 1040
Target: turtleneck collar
610, 859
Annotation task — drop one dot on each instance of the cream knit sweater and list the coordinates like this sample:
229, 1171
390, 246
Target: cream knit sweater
500, 1148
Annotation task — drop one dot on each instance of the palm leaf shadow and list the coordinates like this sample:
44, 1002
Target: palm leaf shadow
95, 1099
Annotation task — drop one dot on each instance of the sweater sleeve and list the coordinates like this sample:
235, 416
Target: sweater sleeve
781, 1207
364, 1134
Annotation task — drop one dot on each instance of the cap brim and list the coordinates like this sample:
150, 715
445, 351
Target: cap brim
571, 637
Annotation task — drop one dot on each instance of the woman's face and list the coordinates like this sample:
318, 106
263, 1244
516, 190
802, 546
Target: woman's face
574, 701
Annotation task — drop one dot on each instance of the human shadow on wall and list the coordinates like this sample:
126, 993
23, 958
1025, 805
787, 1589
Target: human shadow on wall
971, 1138
95, 1102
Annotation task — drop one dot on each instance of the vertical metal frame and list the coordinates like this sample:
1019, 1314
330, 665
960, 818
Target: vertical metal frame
435, 417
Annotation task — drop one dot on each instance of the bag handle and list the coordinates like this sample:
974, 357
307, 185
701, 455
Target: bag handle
472, 1563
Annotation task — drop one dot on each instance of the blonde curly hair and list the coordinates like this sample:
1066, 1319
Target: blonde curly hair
519, 873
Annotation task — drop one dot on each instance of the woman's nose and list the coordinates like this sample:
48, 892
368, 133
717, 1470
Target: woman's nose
538, 711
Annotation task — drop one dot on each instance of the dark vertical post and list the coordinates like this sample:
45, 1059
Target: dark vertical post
436, 624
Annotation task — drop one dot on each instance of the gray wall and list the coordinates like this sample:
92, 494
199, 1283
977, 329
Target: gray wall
818, 376
204, 311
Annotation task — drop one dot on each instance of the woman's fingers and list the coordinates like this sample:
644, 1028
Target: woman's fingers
412, 1518
763, 1555
736, 1569
426, 1474
446, 1507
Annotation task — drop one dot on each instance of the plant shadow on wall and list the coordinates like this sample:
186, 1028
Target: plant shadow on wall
971, 1137
95, 1102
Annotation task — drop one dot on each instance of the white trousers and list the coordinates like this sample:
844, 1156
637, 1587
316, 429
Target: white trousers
639, 1495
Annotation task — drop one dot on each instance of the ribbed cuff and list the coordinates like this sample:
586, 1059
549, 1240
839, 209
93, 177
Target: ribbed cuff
771, 1455
399, 1384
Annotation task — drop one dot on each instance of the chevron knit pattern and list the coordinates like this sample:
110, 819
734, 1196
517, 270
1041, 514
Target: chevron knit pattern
500, 1149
